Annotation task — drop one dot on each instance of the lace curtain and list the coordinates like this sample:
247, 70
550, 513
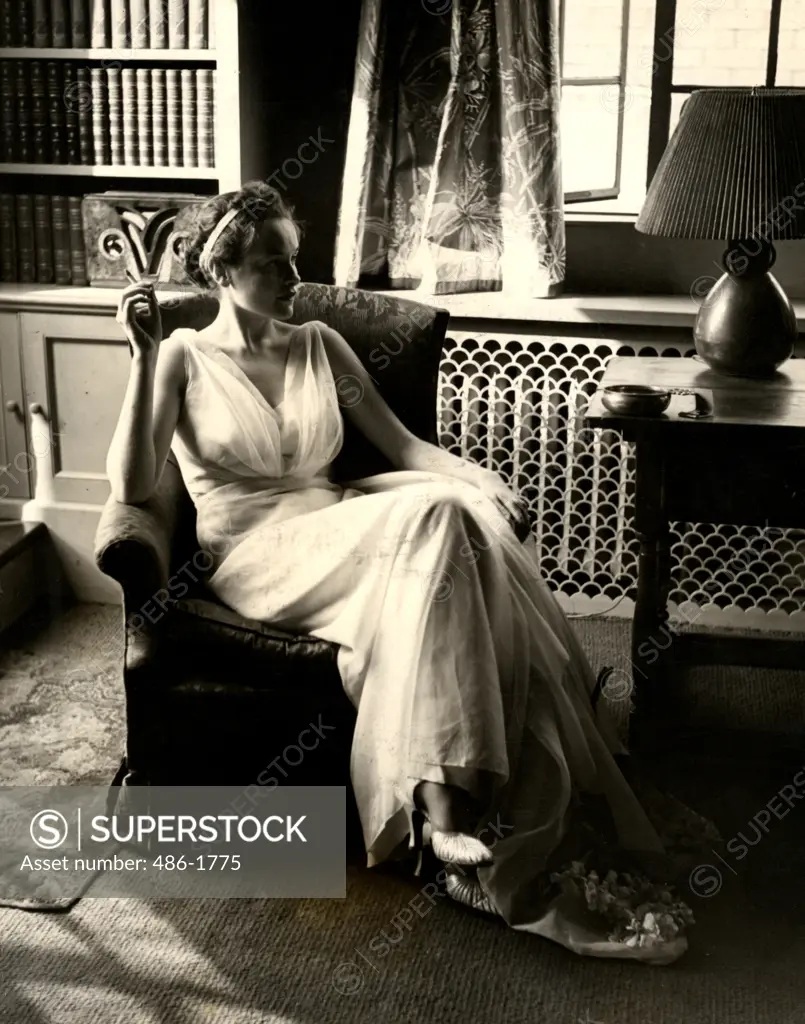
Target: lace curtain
452, 180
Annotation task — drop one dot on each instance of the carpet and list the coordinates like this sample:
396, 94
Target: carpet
322, 961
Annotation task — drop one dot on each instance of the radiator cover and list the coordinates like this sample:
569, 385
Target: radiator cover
515, 403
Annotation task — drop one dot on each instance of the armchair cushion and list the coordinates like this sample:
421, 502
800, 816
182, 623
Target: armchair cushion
210, 629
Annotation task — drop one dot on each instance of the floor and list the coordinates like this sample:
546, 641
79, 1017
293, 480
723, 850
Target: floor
300, 961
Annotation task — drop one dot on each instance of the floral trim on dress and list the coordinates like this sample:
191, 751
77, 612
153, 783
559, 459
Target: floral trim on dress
643, 914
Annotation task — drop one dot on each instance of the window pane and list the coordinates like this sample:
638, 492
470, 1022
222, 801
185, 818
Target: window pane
791, 51
589, 127
592, 44
720, 43
677, 102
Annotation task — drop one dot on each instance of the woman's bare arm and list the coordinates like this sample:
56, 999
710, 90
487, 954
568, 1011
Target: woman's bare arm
368, 410
152, 402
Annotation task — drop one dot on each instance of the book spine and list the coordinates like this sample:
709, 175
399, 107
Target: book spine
85, 115
56, 114
61, 241
99, 23
8, 238
8, 112
177, 24
189, 119
39, 114
73, 100
139, 24
119, 21
78, 257
41, 32
115, 115
7, 26
158, 24
205, 128
58, 23
25, 24
79, 23
43, 237
173, 108
197, 34
25, 149
145, 128
131, 149
159, 117
100, 116
26, 240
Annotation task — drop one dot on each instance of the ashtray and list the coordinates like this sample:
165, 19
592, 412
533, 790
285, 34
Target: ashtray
636, 399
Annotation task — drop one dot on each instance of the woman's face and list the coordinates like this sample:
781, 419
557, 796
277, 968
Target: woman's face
266, 281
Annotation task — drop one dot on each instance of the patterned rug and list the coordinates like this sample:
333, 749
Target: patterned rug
62, 720
62, 712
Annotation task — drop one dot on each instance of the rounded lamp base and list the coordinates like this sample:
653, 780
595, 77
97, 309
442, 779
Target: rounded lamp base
746, 326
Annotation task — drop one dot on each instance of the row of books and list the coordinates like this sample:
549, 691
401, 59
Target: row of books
123, 24
61, 113
42, 240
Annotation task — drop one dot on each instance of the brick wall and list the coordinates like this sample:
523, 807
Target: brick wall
724, 42
717, 42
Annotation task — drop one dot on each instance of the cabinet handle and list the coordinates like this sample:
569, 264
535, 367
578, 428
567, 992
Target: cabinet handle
37, 410
14, 406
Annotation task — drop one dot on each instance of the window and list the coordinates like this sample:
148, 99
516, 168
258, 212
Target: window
616, 123
593, 60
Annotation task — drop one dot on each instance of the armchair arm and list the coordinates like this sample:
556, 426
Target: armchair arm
133, 542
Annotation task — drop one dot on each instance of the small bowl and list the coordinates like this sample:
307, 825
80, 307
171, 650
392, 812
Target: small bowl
636, 399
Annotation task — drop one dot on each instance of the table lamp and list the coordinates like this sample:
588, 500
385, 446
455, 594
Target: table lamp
734, 170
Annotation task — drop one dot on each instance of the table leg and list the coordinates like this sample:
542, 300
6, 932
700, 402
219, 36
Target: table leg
652, 639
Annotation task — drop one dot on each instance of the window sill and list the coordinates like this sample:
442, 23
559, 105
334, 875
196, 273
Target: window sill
597, 217
635, 310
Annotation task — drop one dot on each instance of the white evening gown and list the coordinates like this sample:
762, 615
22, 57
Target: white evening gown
452, 649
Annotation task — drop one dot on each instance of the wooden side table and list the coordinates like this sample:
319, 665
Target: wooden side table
743, 465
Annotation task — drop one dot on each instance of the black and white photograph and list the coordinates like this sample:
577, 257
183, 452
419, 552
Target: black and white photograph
402, 512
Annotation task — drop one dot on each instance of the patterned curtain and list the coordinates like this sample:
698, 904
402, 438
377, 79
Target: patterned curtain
452, 180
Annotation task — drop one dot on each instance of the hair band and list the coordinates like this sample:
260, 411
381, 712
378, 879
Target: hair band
212, 241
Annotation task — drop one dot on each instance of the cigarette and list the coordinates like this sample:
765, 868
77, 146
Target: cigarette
131, 276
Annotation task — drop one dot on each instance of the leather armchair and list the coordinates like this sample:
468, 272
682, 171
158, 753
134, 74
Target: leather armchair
213, 698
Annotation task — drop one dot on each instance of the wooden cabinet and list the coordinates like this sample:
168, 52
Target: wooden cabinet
76, 369
64, 367
16, 463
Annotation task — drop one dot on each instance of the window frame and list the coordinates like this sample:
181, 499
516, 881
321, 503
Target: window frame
663, 90
660, 114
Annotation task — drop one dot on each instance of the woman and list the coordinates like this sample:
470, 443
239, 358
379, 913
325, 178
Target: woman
473, 695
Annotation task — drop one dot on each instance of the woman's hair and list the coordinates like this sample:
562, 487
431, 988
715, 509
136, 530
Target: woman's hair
258, 202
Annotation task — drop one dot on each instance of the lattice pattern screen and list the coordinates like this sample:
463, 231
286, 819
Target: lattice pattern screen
515, 404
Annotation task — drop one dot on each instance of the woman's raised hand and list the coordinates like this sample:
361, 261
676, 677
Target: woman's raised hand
138, 314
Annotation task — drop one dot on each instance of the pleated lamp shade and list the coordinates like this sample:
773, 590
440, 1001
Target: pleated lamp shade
733, 169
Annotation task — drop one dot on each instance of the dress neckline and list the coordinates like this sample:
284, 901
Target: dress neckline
246, 380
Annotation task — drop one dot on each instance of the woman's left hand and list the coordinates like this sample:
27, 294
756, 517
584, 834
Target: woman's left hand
511, 506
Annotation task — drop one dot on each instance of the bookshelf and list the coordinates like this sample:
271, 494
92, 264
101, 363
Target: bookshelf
113, 171
106, 53
157, 108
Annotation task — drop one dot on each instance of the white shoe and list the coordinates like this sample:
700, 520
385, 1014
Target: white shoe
471, 893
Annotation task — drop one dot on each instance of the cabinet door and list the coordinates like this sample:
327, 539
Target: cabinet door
75, 368
16, 462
